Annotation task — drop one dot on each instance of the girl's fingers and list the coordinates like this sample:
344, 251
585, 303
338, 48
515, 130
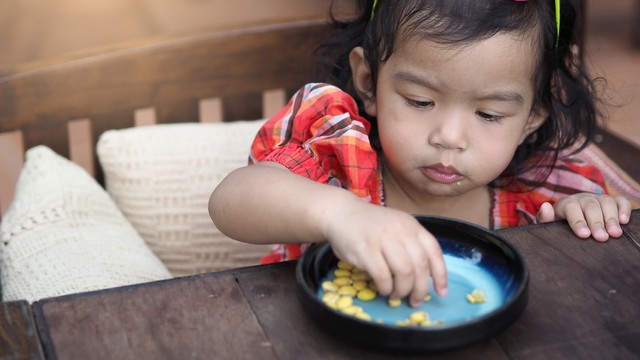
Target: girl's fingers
594, 216
576, 219
380, 273
412, 266
546, 213
401, 265
624, 209
611, 216
420, 259
402, 268
437, 266
598, 216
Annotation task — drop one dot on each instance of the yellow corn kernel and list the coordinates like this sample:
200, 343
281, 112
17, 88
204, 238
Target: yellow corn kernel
428, 297
360, 276
363, 316
329, 286
330, 299
366, 294
476, 297
360, 284
352, 310
344, 265
342, 273
395, 302
347, 290
419, 317
342, 281
344, 302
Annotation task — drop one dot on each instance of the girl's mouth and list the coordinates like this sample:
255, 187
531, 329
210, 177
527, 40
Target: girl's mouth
442, 174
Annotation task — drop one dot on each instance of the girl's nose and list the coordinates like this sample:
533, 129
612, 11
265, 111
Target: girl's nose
449, 131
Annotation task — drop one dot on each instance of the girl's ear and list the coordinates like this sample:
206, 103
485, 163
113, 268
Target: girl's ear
536, 119
362, 81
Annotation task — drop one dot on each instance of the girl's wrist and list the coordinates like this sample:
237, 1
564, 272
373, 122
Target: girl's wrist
332, 211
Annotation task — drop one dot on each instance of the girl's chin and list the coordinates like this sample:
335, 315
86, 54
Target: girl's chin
446, 190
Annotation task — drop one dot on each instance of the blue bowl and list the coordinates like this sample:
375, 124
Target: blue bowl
476, 258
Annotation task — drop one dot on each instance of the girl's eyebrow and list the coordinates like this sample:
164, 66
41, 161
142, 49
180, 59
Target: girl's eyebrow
415, 79
506, 95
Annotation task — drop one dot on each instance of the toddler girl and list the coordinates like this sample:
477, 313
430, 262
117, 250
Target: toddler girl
460, 108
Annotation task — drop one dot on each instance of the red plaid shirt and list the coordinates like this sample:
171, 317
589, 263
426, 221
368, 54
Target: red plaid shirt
321, 136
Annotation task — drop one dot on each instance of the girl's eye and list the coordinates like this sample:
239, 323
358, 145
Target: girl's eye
419, 104
488, 117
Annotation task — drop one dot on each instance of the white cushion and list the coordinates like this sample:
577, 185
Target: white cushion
162, 176
63, 234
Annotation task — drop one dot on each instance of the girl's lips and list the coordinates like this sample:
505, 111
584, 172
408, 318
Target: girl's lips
442, 174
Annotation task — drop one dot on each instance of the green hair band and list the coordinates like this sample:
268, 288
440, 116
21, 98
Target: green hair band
557, 22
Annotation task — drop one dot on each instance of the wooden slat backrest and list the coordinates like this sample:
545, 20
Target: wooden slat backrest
82, 146
11, 160
272, 101
210, 110
233, 75
170, 76
145, 117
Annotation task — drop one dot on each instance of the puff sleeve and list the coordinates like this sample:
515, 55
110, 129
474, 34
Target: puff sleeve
321, 136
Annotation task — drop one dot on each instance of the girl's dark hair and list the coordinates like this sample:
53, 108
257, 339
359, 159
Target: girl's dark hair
562, 84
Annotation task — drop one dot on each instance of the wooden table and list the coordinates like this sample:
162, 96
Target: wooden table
584, 302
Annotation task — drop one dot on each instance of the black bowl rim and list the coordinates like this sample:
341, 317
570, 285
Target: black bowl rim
448, 336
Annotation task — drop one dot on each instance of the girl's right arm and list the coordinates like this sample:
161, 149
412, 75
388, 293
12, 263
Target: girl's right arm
266, 203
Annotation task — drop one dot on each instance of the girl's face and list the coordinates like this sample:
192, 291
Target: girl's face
450, 118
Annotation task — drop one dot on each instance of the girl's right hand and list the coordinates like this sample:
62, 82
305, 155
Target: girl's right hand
392, 246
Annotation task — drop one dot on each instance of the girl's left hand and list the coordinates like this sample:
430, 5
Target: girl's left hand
589, 214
